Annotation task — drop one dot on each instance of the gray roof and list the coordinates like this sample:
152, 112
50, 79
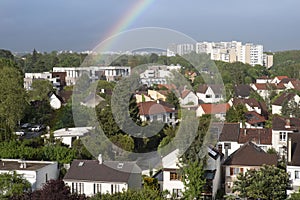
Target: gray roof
108, 171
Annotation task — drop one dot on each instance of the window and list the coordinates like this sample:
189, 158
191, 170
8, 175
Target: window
177, 193
282, 136
78, 188
235, 170
220, 148
297, 175
46, 178
208, 96
174, 176
97, 188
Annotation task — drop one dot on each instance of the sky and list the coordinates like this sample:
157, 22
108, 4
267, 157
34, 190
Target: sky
80, 25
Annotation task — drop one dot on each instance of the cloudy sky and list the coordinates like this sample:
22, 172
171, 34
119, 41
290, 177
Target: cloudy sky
80, 25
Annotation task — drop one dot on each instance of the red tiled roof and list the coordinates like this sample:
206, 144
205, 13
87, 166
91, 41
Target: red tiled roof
281, 77
296, 84
230, 132
215, 108
184, 93
258, 136
283, 97
168, 86
279, 123
253, 117
152, 108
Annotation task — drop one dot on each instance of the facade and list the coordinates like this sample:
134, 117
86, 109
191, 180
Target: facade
109, 73
68, 135
157, 111
247, 157
284, 98
188, 98
293, 162
36, 172
56, 79
210, 93
218, 110
90, 177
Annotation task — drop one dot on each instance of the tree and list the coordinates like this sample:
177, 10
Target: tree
55, 189
12, 98
40, 89
236, 113
268, 182
193, 179
13, 184
172, 99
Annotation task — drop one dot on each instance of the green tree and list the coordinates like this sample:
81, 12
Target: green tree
193, 179
40, 90
13, 184
12, 99
236, 113
268, 182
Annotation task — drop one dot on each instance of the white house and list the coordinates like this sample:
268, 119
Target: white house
218, 110
90, 177
278, 79
55, 101
233, 136
68, 135
210, 93
157, 111
188, 97
247, 157
293, 162
283, 98
170, 179
281, 127
251, 105
37, 173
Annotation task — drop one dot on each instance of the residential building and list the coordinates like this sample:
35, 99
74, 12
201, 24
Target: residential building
293, 162
281, 127
242, 91
57, 79
90, 177
109, 73
254, 120
284, 98
68, 135
210, 93
247, 157
37, 173
92, 100
157, 111
218, 110
268, 60
251, 105
188, 97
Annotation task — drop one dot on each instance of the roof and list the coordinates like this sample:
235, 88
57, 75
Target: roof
108, 171
217, 89
295, 149
76, 131
281, 77
279, 123
215, 108
65, 95
230, 132
253, 117
243, 90
15, 164
251, 102
283, 97
258, 136
184, 93
152, 108
251, 155
264, 77
92, 100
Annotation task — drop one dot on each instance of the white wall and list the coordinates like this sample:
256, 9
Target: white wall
295, 182
191, 97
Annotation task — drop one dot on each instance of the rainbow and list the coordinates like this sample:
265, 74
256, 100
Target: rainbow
127, 19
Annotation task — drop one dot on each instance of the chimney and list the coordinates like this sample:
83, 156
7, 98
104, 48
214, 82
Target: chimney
100, 159
289, 150
287, 123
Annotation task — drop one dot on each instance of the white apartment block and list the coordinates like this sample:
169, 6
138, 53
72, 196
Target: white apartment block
228, 52
111, 73
30, 77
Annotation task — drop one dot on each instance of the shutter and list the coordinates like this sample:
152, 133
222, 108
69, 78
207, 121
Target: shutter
231, 171
242, 170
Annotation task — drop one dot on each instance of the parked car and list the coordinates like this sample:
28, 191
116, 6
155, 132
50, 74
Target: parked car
26, 126
19, 133
36, 128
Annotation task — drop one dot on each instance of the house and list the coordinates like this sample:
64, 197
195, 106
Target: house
188, 97
293, 162
92, 100
251, 105
264, 79
278, 79
158, 95
55, 101
293, 84
210, 93
142, 97
282, 99
247, 157
37, 173
90, 177
254, 120
218, 110
68, 135
281, 127
242, 91
170, 179
266, 89
157, 111
233, 136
